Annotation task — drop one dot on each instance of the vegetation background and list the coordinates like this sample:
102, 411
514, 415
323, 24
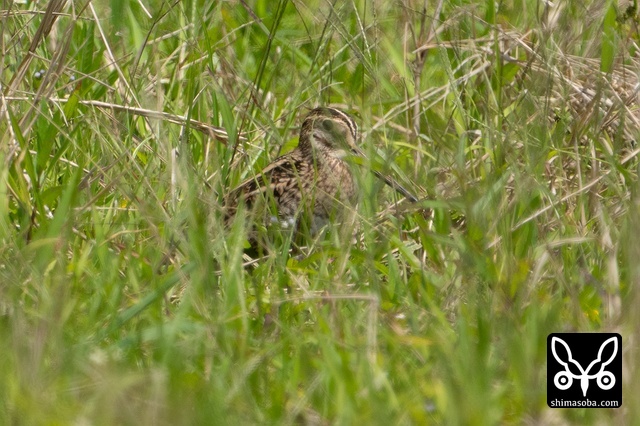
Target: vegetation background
124, 123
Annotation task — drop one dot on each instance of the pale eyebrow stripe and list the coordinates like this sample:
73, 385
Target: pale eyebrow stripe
353, 127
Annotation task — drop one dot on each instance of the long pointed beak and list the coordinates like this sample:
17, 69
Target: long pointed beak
388, 180
395, 185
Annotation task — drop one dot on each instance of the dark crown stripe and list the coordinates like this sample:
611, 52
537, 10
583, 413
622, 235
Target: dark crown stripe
346, 118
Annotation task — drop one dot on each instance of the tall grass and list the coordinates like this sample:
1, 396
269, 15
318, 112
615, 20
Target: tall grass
124, 124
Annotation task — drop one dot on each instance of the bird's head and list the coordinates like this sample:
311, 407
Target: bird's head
329, 130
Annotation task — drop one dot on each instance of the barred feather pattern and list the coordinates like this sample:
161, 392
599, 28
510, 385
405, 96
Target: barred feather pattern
313, 179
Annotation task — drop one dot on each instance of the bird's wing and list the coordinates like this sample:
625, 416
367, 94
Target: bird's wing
280, 175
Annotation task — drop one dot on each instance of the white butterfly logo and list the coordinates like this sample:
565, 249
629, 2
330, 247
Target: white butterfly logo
564, 379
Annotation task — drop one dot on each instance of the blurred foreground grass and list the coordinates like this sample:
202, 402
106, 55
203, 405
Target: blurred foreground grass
124, 124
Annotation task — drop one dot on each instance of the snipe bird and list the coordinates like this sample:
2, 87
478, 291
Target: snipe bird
315, 180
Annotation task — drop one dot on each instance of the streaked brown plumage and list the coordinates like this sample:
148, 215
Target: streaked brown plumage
313, 180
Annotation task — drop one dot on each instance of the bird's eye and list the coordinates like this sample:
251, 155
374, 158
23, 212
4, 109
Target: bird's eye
327, 125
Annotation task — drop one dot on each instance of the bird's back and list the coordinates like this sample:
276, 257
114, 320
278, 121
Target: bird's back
296, 184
